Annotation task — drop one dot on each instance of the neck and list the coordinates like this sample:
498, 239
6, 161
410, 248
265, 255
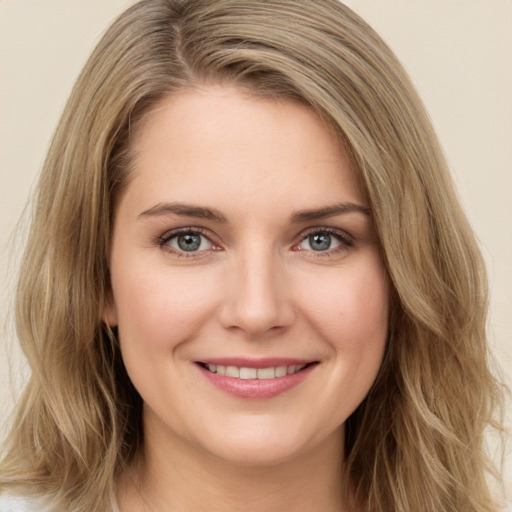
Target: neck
179, 477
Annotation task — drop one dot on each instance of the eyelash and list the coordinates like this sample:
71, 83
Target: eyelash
346, 241
163, 241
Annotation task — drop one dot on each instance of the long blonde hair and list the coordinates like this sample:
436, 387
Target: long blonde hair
417, 440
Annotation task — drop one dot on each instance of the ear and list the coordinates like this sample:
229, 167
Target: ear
109, 315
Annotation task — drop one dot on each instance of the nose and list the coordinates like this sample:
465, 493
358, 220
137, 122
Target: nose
257, 297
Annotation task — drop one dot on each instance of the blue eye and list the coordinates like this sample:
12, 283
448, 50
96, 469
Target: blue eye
325, 241
190, 241
320, 241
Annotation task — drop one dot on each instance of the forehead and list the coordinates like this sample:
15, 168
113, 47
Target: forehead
204, 145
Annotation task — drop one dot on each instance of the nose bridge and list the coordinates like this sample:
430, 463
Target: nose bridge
257, 299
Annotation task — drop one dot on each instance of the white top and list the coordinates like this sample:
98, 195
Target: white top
18, 504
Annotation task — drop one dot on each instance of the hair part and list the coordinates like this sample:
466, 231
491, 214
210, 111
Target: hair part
417, 441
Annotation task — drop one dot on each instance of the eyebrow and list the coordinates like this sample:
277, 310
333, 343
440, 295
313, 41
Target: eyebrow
201, 212
329, 211
185, 210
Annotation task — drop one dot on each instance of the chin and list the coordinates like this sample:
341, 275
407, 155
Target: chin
266, 445
252, 455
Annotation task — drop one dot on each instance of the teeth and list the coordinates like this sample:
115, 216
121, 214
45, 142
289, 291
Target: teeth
293, 369
255, 373
248, 373
232, 371
266, 373
281, 371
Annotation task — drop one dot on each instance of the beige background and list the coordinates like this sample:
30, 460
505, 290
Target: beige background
458, 52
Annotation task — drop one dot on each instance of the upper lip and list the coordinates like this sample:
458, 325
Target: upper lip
245, 362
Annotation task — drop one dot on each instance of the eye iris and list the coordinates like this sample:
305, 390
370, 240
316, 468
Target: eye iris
320, 241
189, 242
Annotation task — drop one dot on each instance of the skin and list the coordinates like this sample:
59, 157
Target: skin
255, 288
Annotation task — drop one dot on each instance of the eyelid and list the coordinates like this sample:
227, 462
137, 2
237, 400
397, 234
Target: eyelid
163, 241
326, 229
345, 239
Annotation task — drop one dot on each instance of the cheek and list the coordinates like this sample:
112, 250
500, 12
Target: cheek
162, 307
352, 317
351, 309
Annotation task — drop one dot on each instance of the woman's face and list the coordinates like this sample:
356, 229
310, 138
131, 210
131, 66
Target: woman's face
248, 290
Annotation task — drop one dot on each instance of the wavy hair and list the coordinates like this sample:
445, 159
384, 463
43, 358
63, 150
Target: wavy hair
417, 440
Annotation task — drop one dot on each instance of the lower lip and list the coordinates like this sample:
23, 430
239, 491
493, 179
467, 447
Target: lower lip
257, 389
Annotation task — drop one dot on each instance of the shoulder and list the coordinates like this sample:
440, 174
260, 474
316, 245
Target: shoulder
19, 504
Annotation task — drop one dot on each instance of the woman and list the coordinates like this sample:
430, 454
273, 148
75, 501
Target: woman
248, 283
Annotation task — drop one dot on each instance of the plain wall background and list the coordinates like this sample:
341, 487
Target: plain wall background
458, 52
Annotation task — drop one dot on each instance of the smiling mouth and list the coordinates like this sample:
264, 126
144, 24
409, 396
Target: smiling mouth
248, 373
